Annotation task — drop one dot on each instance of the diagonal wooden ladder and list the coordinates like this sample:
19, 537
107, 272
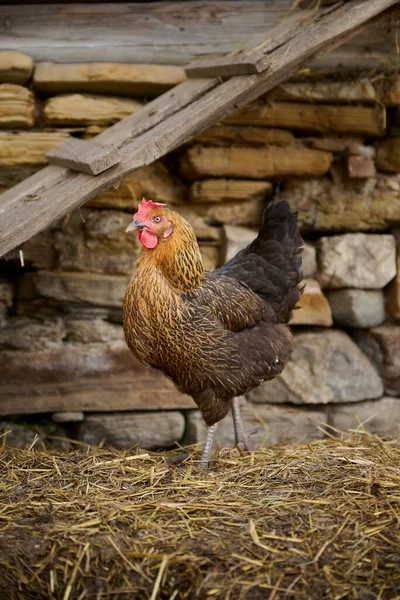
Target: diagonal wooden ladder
173, 118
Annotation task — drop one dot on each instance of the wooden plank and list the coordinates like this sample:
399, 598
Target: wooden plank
84, 156
225, 67
171, 32
56, 192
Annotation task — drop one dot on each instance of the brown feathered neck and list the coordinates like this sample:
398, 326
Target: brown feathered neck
177, 257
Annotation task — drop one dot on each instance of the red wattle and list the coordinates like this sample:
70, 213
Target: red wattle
147, 238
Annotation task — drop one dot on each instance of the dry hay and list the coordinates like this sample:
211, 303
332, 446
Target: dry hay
290, 521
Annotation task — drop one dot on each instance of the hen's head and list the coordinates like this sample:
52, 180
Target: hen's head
152, 223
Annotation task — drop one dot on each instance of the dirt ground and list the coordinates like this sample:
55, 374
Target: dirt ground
317, 521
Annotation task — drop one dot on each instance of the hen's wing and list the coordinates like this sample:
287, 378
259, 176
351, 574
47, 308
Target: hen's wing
232, 302
271, 264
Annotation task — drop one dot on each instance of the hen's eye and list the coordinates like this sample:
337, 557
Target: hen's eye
156, 219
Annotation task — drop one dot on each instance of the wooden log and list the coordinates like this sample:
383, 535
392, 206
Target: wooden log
228, 190
336, 92
28, 148
173, 118
84, 156
17, 107
15, 67
86, 109
225, 135
253, 163
361, 120
388, 155
107, 78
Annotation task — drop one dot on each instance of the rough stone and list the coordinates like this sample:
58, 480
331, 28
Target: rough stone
392, 95
381, 417
356, 260
325, 367
210, 256
345, 204
388, 155
228, 190
85, 331
361, 167
90, 288
28, 148
246, 214
39, 251
352, 145
95, 241
68, 417
200, 162
225, 135
86, 109
325, 118
17, 107
83, 377
313, 307
202, 230
152, 182
361, 91
15, 67
6, 298
309, 261
393, 292
31, 334
236, 239
357, 308
382, 345
107, 78
128, 430
26, 435
265, 424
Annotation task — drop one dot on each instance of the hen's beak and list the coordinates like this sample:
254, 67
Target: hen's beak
134, 226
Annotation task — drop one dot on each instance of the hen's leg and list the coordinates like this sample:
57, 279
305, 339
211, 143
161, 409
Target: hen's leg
208, 446
240, 434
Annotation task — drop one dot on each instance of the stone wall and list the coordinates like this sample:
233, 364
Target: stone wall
330, 146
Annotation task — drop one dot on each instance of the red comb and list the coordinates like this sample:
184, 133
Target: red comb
145, 206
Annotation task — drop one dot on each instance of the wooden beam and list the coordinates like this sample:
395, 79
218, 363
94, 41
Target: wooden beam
171, 32
84, 156
176, 116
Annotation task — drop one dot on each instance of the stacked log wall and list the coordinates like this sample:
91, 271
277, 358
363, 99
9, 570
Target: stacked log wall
330, 146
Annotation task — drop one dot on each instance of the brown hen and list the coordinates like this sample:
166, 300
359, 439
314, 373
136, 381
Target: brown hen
216, 335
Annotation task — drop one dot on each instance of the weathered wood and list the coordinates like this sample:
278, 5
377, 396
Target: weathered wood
28, 148
253, 163
57, 192
225, 135
172, 32
228, 190
15, 67
17, 107
84, 156
225, 67
361, 120
106, 78
86, 109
